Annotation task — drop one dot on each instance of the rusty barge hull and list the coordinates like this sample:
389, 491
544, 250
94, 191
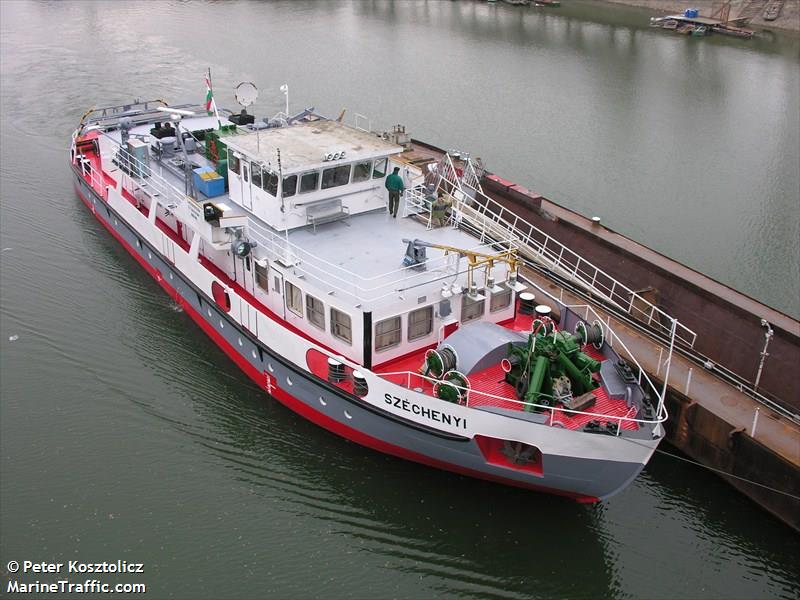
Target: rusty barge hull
727, 323
696, 426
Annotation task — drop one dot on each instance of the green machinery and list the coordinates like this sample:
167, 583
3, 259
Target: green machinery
216, 148
551, 368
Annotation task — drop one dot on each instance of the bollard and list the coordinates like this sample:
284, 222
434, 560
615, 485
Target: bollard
336, 371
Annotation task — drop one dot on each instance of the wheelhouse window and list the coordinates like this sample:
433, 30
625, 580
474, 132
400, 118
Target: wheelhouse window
420, 323
244, 171
233, 163
294, 299
289, 186
472, 309
270, 183
309, 182
500, 300
335, 176
380, 168
315, 311
361, 171
262, 277
255, 175
388, 333
341, 326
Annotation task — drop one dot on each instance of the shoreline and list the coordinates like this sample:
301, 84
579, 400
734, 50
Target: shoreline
788, 22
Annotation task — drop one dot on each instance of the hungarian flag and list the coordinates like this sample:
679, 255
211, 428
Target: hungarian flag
209, 94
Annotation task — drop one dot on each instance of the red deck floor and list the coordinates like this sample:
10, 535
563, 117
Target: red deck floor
491, 381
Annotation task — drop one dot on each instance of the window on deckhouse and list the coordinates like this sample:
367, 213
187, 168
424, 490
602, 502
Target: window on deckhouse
315, 311
294, 299
309, 182
289, 186
340, 326
335, 176
361, 171
471, 309
420, 322
233, 162
255, 174
388, 333
380, 168
500, 301
262, 277
270, 183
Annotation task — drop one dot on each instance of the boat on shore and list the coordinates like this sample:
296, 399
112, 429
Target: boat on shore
417, 333
773, 10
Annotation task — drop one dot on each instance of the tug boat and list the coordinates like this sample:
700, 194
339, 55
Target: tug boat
417, 335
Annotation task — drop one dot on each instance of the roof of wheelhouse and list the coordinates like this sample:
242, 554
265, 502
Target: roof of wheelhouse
305, 146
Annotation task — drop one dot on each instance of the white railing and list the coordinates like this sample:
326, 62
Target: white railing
96, 179
143, 176
490, 220
493, 399
417, 203
473, 211
613, 341
345, 282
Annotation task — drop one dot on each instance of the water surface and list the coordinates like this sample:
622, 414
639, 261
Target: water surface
125, 434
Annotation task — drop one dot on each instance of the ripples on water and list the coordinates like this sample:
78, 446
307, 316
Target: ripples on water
127, 434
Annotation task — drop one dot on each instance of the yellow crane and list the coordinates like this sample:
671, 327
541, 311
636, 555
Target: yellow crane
415, 257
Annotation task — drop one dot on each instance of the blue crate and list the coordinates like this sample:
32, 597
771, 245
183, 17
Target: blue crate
208, 187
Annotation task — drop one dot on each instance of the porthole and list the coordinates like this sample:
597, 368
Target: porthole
171, 276
209, 312
289, 380
221, 324
241, 343
149, 255
254, 353
116, 222
348, 415
138, 243
322, 401
270, 367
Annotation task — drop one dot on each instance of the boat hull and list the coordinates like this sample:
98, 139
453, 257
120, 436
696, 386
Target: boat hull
584, 479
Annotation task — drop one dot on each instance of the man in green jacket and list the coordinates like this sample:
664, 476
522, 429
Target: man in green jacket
394, 183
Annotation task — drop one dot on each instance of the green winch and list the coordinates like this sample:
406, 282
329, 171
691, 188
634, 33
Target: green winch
551, 368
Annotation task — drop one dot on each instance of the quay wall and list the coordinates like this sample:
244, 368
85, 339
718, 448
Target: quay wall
727, 323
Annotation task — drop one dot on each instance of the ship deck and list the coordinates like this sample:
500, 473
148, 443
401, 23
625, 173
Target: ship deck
365, 251
488, 388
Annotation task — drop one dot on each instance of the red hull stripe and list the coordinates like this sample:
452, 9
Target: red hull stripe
303, 409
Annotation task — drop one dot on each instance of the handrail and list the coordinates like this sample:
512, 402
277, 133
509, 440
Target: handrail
361, 288
540, 247
476, 212
470, 391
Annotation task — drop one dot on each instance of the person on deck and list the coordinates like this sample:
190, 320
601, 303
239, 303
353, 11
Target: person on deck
394, 183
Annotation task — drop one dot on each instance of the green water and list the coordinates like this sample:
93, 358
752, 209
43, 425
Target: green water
126, 435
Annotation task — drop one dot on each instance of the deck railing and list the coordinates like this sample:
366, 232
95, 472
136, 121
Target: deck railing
490, 221
475, 212
343, 281
613, 340
411, 379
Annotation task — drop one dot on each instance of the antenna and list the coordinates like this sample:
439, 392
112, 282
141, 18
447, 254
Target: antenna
285, 90
176, 111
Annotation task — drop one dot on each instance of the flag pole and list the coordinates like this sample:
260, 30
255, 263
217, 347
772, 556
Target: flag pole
210, 100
